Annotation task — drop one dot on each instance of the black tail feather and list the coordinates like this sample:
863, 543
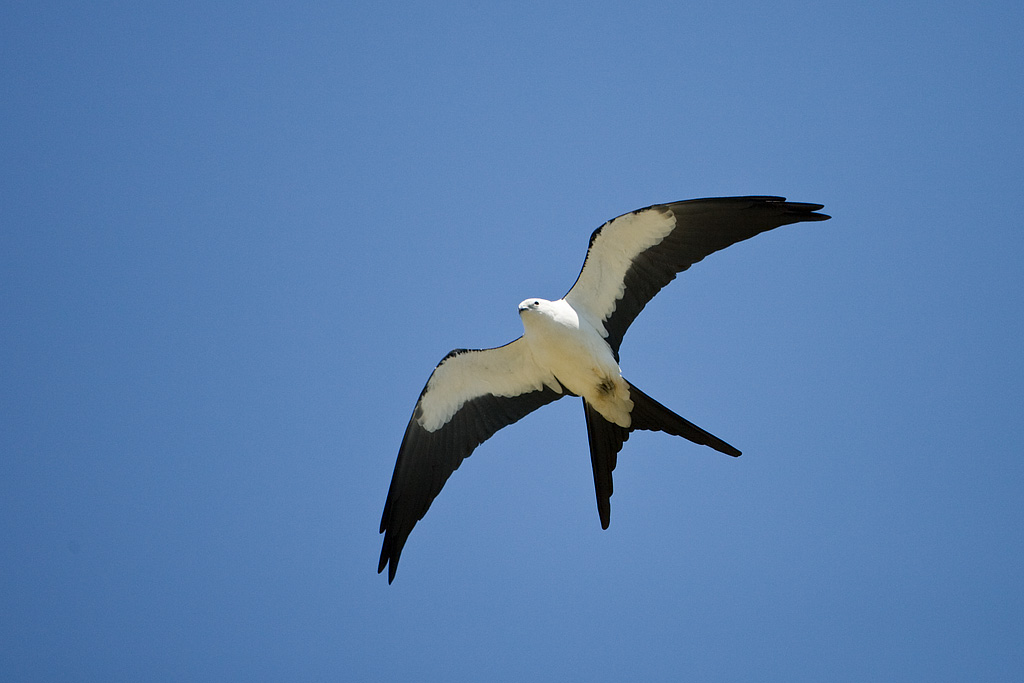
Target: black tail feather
606, 439
650, 415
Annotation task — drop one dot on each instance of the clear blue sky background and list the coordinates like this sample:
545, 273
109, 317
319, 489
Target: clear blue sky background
235, 239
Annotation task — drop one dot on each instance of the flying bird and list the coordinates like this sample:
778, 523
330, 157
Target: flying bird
571, 347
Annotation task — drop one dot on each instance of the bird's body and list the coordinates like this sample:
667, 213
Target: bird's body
568, 346
571, 347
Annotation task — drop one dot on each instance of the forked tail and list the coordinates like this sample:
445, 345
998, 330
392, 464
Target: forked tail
606, 439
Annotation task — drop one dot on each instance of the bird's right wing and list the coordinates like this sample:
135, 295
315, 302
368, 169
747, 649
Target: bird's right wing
470, 395
632, 257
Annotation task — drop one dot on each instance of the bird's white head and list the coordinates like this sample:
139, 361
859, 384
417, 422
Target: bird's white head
533, 305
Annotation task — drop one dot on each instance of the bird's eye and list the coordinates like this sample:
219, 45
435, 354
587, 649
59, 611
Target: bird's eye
536, 303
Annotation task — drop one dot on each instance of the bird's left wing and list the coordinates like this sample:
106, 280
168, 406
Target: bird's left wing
470, 396
632, 257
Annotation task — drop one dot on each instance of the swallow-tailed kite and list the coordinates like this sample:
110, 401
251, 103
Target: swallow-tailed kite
571, 347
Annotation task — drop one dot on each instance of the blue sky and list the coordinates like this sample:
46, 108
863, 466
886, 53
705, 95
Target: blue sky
234, 241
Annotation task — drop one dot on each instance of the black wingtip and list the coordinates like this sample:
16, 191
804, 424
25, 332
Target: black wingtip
391, 569
388, 558
799, 212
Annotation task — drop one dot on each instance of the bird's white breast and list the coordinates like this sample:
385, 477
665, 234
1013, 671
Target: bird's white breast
568, 346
